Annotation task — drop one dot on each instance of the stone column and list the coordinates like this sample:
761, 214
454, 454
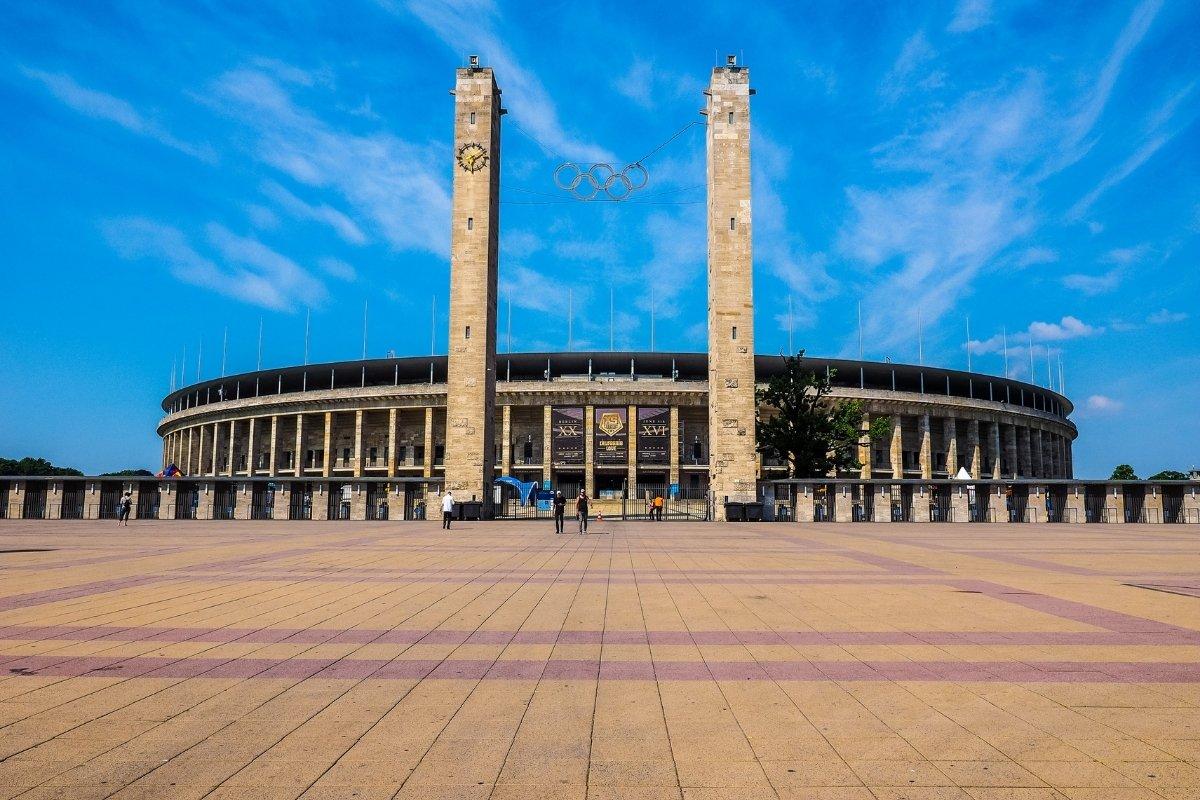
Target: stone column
804, 502
283, 501
320, 501
232, 446
926, 455
631, 475
882, 502
216, 441
358, 502
1154, 504
429, 442
244, 497
1010, 448
864, 448
272, 451
201, 461
204, 505
1115, 500
298, 453
1074, 510
673, 444
994, 448
950, 434
358, 443
505, 439
731, 400
1023, 460
547, 445
976, 467
391, 443
589, 454
843, 504
474, 229
327, 467
251, 446
897, 454
187, 461
960, 504
1039, 465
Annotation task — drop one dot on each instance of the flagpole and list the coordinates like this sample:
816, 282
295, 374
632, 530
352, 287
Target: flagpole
307, 329
1032, 374
921, 340
610, 319
968, 342
1005, 334
570, 316
433, 325
260, 334
789, 328
224, 350
860, 350
364, 350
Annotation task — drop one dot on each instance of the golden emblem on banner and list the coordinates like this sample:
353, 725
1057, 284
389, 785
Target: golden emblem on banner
610, 423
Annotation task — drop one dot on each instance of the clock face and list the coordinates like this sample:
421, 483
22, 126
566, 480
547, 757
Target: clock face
472, 157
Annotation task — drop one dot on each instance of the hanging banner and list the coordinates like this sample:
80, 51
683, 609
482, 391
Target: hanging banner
653, 435
566, 435
611, 436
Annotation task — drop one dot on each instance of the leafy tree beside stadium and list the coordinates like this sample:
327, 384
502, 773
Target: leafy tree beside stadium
1123, 472
802, 425
33, 467
1168, 475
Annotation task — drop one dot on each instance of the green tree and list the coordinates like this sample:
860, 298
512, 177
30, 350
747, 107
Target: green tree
1124, 472
1168, 475
33, 467
128, 473
813, 433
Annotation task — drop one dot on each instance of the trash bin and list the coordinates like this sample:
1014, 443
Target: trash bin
736, 512
754, 512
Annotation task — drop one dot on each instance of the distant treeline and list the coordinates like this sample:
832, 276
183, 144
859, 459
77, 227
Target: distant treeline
40, 467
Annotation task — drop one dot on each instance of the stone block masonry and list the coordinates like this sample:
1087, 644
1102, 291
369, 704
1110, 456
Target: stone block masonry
731, 401
471, 371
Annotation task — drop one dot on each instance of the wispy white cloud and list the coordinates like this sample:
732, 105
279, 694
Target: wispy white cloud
397, 185
249, 270
1037, 255
645, 83
110, 108
1101, 404
970, 15
909, 70
471, 26
337, 268
1165, 317
1040, 333
321, 212
1093, 284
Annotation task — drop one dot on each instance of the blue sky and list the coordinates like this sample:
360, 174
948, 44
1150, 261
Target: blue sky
173, 170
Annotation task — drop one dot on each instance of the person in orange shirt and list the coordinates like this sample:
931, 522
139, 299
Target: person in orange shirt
658, 507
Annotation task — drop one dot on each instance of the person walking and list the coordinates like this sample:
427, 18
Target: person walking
447, 510
581, 511
658, 506
560, 511
125, 507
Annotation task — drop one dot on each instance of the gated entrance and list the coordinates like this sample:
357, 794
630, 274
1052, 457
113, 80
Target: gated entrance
338, 501
1093, 503
187, 500
902, 503
1135, 503
35, 500
823, 502
377, 501
864, 503
1172, 499
979, 503
224, 499
110, 499
72, 499
300, 504
414, 501
940, 508
1018, 504
148, 500
1056, 503
3, 499
262, 501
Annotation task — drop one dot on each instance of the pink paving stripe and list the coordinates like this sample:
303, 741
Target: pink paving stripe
1152, 636
551, 576
1069, 609
71, 592
591, 669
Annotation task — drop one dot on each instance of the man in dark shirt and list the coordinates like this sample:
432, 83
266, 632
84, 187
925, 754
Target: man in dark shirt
581, 511
560, 510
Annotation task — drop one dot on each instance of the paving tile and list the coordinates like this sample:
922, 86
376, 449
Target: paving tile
332, 660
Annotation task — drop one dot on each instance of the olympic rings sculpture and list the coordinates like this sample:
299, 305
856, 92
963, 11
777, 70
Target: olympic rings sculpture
586, 184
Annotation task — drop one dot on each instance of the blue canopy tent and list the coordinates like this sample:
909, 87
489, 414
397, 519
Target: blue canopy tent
525, 491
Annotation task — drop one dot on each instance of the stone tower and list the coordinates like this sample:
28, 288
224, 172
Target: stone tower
731, 402
475, 219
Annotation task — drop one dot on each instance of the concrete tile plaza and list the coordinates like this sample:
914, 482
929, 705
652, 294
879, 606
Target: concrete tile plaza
379, 660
